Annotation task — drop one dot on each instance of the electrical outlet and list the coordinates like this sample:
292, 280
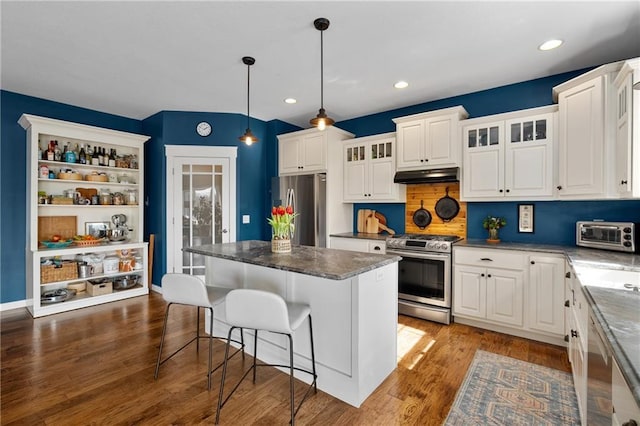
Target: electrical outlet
246, 218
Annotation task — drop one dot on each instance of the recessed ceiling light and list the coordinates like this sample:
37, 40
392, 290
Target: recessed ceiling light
550, 44
401, 85
290, 101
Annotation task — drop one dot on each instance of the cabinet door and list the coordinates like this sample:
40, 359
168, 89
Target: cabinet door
411, 140
546, 294
505, 296
529, 157
483, 171
579, 371
581, 139
441, 148
469, 291
624, 166
381, 186
313, 158
288, 155
625, 407
356, 171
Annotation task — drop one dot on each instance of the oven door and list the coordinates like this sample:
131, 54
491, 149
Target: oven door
424, 277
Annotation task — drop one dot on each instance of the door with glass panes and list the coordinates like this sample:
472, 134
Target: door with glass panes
201, 209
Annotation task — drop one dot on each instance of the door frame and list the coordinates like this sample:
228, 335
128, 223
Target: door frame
175, 151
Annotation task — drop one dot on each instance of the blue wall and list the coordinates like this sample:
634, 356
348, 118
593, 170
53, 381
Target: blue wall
13, 177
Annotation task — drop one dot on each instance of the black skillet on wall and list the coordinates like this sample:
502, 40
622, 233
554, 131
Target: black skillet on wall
447, 208
422, 217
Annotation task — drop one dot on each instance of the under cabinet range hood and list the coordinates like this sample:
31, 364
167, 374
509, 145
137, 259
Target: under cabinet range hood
427, 176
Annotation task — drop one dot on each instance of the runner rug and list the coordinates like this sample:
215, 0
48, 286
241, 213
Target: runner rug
498, 390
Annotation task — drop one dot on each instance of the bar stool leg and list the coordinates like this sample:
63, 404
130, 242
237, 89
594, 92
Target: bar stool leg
224, 375
210, 349
164, 331
313, 357
198, 330
255, 354
293, 412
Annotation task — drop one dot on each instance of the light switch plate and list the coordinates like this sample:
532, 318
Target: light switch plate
246, 218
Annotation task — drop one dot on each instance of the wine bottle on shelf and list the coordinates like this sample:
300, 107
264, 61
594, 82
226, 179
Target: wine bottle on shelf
95, 159
76, 152
112, 158
50, 151
69, 155
82, 155
57, 154
89, 153
100, 156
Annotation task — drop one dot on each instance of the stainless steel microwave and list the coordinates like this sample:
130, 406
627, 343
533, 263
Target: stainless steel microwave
619, 236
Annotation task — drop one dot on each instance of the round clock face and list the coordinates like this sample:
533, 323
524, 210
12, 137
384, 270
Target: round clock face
203, 128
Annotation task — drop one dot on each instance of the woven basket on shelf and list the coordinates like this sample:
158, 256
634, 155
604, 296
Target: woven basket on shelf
68, 270
281, 246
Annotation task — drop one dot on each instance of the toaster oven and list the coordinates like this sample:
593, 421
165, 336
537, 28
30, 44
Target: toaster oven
618, 236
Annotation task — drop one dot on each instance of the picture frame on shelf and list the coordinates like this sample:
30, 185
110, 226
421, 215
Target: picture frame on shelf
96, 229
525, 218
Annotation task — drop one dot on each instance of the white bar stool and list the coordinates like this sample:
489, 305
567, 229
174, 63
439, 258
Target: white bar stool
263, 310
189, 290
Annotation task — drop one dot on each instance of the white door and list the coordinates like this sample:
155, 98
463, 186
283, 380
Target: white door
546, 294
200, 203
505, 296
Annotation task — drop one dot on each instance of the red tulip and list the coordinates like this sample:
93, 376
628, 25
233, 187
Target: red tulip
289, 210
274, 210
280, 211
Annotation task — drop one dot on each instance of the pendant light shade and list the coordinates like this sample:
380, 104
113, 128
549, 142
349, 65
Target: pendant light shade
321, 120
248, 137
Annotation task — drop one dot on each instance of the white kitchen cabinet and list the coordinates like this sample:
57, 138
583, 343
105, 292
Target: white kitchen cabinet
586, 136
429, 140
627, 152
579, 369
303, 153
546, 293
358, 244
489, 285
624, 404
369, 168
126, 176
509, 156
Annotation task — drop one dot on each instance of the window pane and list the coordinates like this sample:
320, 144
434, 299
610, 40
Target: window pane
494, 136
472, 139
389, 153
515, 133
202, 168
374, 151
482, 137
541, 129
349, 154
528, 130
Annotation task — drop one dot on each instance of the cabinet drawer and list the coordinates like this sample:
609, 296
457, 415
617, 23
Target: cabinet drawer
489, 258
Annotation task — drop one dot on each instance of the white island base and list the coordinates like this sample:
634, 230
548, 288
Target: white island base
354, 324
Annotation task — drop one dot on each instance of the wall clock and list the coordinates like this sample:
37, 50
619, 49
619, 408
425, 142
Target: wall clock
203, 128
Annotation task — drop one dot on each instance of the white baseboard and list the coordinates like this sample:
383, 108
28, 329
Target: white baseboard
13, 305
156, 288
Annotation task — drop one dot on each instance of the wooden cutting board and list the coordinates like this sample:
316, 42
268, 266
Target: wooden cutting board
363, 214
372, 224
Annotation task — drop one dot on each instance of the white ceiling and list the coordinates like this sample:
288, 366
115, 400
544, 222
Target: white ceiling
137, 58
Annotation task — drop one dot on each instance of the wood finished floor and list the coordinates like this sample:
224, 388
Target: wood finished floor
96, 365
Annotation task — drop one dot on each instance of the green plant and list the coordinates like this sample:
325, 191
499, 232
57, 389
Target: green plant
281, 222
491, 222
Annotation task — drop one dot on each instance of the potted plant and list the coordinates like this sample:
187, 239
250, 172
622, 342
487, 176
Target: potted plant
282, 228
492, 224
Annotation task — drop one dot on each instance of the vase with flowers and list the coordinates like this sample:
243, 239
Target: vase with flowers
492, 224
282, 228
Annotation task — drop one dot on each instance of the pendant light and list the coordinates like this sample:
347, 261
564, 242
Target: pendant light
248, 137
321, 120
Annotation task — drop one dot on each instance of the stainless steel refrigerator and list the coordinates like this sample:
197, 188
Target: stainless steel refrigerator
307, 194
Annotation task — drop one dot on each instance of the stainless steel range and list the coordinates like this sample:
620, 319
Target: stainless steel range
424, 275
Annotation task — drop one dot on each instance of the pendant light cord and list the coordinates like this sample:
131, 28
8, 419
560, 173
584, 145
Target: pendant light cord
248, 88
321, 70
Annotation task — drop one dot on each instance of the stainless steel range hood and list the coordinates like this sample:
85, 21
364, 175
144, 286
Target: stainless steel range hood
428, 176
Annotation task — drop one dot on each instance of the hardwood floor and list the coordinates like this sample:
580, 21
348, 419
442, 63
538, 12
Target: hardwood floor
95, 366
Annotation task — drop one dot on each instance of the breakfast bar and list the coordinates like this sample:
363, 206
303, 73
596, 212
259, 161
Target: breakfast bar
353, 298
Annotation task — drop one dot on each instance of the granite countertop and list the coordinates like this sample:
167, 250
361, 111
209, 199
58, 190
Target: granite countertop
363, 235
616, 310
316, 261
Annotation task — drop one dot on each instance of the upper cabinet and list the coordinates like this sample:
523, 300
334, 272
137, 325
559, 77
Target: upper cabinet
369, 167
627, 152
586, 138
509, 156
429, 140
306, 151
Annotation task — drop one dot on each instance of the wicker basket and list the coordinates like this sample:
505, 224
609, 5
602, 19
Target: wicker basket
281, 246
50, 273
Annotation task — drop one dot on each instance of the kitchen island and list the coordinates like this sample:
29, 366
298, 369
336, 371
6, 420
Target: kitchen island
353, 298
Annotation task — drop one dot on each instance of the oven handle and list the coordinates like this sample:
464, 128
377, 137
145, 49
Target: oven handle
420, 255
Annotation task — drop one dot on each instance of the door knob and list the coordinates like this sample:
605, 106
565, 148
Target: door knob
224, 231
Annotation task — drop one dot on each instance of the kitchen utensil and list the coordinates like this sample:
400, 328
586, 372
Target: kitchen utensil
372, 224
381, 218
422, 217
55, 296
84, 270
119, 219
383, 227
447, 208
71, 193
125, 282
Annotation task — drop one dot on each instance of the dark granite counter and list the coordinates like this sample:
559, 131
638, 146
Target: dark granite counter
320, 262
363, 236
617, 310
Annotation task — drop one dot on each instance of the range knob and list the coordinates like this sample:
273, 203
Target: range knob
627, 230
431, 245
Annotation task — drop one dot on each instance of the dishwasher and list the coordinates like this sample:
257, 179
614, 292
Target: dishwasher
599, 405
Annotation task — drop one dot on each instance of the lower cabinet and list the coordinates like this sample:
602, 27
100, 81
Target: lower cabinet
625, 408
358, 244
522, 292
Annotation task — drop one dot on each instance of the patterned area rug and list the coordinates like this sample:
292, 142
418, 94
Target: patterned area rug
499, 390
